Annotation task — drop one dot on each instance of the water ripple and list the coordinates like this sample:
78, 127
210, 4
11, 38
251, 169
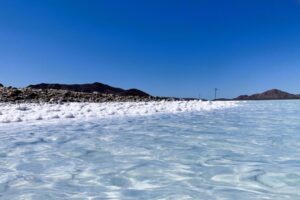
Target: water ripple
247, 152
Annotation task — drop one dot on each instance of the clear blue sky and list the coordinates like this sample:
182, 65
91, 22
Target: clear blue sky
165, 47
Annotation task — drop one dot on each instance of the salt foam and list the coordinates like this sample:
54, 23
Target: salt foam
32, 112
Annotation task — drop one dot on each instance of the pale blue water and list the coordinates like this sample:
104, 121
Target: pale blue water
248, 152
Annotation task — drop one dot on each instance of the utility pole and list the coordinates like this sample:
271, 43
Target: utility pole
216, 90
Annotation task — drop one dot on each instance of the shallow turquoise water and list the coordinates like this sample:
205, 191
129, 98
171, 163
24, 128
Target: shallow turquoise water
248, 152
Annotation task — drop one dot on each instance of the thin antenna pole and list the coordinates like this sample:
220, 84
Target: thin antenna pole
216, 90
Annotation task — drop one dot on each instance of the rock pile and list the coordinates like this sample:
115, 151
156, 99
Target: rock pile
22, 95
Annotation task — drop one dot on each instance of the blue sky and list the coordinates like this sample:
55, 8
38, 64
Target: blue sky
165, 47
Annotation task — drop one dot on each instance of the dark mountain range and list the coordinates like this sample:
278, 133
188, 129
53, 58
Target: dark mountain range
90, 88
273, 94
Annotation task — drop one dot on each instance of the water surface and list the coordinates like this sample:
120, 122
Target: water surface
247, 152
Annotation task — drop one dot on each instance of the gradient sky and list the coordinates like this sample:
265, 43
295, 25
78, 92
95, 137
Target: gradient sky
165, 47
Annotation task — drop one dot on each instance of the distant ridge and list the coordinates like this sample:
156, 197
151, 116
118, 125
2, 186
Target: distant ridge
273, 94
97, 88
90, 88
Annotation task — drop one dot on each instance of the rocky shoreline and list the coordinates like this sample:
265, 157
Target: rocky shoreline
90, 92
29, 95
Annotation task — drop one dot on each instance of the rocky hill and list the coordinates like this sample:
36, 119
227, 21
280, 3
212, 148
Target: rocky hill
91, 88
57, 93
30, 95
273, 94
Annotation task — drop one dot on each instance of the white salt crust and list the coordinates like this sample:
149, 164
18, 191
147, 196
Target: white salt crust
32, 112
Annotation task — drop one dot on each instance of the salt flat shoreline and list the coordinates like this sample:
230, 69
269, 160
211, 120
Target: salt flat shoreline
41, 112
43, 105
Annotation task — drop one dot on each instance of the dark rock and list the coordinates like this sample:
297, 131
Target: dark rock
15, 92
1, 85
30, 95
